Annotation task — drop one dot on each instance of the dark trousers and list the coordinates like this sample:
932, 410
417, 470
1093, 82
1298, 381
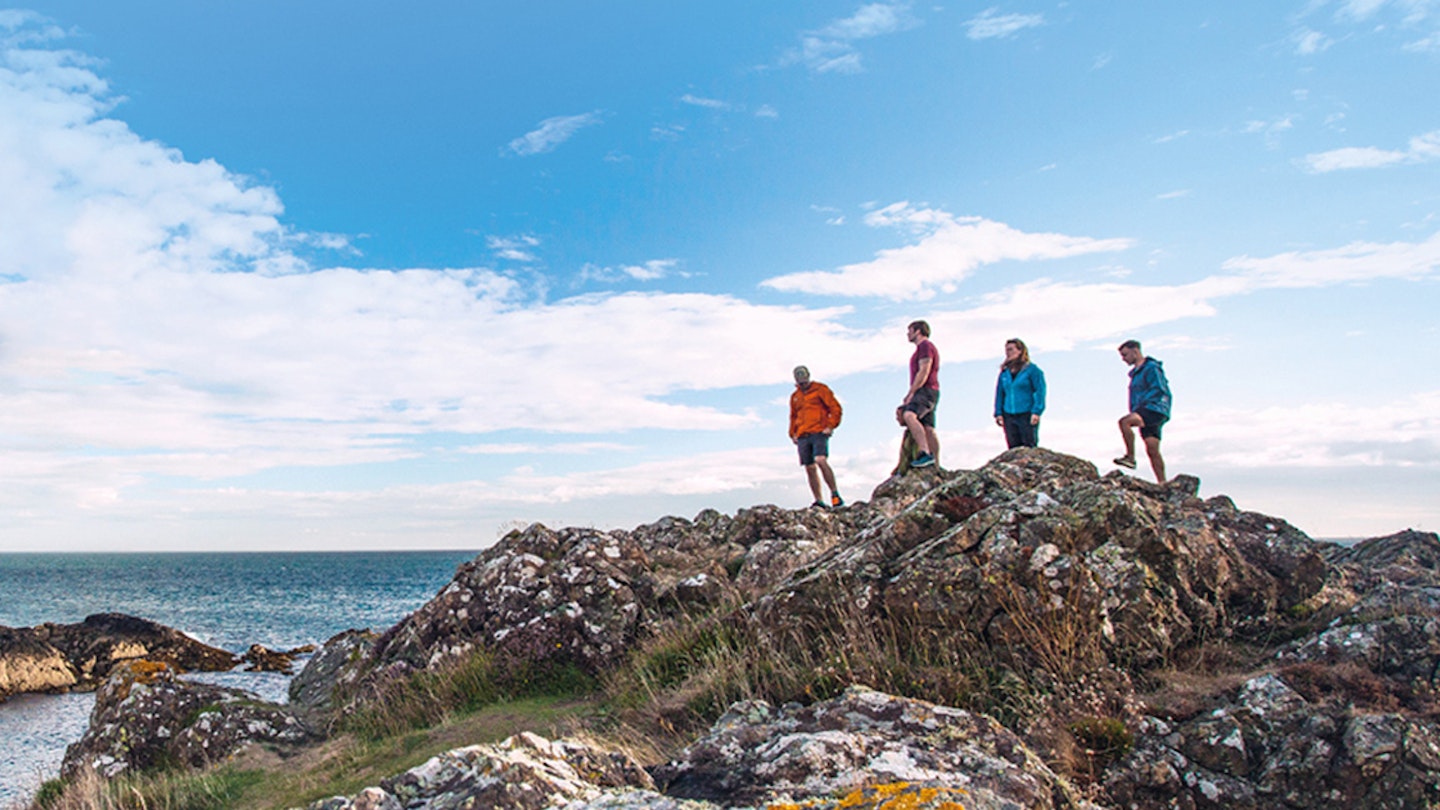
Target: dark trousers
1019, 432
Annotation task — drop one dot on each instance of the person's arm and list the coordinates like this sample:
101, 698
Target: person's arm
1037, 405
793, 414
922, 373
833, 412
1000, 398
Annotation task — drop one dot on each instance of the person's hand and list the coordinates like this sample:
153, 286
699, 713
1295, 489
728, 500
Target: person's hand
829, 431
1000, 420
1034, 418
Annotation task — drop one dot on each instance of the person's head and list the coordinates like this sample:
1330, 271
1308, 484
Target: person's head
917, 331
1017, 356
1130, 352
802, 376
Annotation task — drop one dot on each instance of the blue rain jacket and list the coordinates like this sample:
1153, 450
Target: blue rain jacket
1149, 390
1020, 393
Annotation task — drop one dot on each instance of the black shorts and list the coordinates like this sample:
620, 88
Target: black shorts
812, 445
922, 404
1153, 421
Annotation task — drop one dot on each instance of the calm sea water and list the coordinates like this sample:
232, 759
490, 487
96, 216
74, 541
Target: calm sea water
228, 600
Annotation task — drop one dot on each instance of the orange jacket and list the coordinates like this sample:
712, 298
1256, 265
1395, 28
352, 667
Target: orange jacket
813, 410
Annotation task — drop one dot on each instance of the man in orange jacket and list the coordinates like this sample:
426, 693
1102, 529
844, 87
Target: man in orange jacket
814, 415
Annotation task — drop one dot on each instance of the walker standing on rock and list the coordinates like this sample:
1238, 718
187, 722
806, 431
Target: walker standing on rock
1149, 407
1019, 396
917, 412
814, 415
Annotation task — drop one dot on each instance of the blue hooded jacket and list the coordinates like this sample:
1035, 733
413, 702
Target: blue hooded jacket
1020, 393
1149, 390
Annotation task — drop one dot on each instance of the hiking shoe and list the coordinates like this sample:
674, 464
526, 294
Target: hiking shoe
836, 501
819, 505
926, 460
1126, 462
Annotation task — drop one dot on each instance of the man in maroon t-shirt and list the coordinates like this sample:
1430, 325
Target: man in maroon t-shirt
918, 409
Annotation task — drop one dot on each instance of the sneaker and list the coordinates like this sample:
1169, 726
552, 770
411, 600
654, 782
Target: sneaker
1126, 462
925, 460
836, 501
819, 505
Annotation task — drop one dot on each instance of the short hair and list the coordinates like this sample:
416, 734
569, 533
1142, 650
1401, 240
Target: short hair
921, 327
802, 374
1131, 344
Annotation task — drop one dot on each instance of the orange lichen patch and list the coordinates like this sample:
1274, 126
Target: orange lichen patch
900, 796
138, 671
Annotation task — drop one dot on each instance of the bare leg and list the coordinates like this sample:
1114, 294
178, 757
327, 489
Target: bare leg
918, 431
1128, 423
1152, 449
814, 476
934, 443
824, 464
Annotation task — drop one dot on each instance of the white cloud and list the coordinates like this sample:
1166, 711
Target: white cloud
652, 270
1174, 195
513, 248
990, 24
766, 111
948, 250
708, 103
1421, 149
550, 134
832, 48
1356, 262
1308, 41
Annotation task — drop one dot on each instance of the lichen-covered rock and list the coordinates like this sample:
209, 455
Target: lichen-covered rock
145, 717
1037, 544
260, 658
757, 754
581, 597
524, 772
337, 663
1267, 746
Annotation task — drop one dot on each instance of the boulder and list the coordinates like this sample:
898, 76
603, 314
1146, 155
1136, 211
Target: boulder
336, 664
524, 772
53, 657
862, 747
145, 717
260, 658
1268, 746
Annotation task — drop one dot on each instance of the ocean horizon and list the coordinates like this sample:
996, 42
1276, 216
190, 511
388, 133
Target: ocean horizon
229, 600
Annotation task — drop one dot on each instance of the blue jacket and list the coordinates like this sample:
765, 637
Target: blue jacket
1149, 390
1020, 393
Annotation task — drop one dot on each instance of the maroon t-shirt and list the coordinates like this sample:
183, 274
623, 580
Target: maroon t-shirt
926, 349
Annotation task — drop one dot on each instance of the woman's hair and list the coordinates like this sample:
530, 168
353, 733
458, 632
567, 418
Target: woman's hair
1019, 362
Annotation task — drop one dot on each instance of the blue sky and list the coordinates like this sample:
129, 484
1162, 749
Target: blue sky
331, 275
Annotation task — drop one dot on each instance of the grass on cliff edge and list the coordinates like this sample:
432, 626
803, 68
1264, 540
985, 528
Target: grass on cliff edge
341, 766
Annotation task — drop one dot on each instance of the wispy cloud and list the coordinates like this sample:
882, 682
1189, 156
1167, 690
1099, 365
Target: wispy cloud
513, 248
832, 49
990, 24
652, 270
948, 249
550, 134
1174, 195
1421, 149
1308, 41
766, 111
708, 103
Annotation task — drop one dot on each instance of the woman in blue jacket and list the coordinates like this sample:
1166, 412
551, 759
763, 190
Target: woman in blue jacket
1019, 396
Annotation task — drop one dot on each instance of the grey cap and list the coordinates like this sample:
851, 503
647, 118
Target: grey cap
802, 374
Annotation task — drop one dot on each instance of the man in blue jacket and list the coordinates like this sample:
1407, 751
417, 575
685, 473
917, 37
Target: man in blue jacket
1149, 407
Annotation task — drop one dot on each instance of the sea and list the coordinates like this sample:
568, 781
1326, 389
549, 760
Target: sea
232, 600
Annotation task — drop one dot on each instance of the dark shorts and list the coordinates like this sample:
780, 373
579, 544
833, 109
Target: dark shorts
923, 405
1153, 421
812, 445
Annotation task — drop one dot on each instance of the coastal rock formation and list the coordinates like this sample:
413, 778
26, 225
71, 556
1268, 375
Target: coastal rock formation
53, 657
524, 772
260, 658
145, 717
581, 597
336, 664
1269, 746
758, 755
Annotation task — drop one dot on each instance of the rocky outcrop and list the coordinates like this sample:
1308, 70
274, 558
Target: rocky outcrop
336, 664
758, 755
1037, 544
260, 658
145, 717
524, 772
53, 657
1267, 746
581, 597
